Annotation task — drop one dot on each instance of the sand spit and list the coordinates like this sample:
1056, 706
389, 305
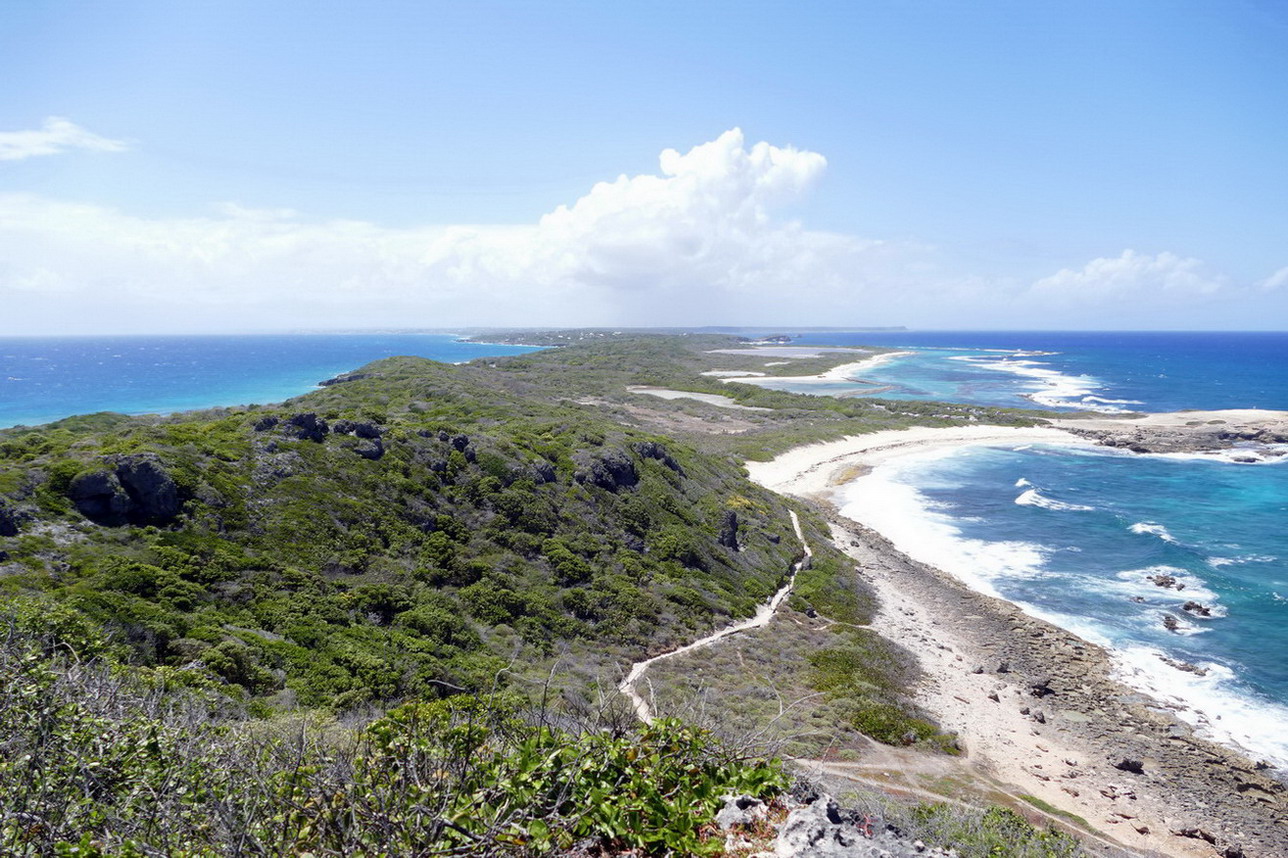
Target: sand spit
1036, 706
709, 398
844, 372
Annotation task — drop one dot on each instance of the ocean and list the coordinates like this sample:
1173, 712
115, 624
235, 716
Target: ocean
47, 378
1076, 535
1106, 543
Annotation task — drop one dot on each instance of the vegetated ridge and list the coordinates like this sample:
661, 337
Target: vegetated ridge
387, 617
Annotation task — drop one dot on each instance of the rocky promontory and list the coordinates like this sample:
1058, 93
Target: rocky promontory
1252, 435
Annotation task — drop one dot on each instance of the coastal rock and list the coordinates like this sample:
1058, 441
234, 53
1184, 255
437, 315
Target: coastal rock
1166, 581
1127, 764
542, 472
460, 442
265, 423
612, 470
137, 490
370, 449
1197, 608
10, 519
153, 495
99, 496
343, 378
360, 428
740, 811
654, 450
728, 533
307, 427
1171, 623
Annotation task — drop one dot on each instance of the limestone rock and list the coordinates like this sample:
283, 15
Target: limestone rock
728, 534
153, 495
307, 427
654, 450
612, 470
99, 496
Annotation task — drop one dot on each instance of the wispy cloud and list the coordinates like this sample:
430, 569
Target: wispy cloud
55, 135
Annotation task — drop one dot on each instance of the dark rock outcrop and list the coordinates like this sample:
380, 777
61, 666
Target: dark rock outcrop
359, 428
307, 427
372, 448
137, 490
654, 450
612, 470
265, 423
728, 533
460, 442
10, 519
153, 495
344, 377
542, 472
100, 497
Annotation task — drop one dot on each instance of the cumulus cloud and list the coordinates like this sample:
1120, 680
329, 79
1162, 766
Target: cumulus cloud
696, 243
55, 135
700, 241
1131, 274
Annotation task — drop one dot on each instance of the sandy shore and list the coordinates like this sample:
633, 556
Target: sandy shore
1036, 706
844, 372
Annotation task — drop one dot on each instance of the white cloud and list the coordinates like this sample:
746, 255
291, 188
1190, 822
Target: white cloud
1278, 280
55, 135
702, 241
1131, 275
697, 243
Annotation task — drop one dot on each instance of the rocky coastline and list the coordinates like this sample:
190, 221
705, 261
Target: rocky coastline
1037, 707
1251, 432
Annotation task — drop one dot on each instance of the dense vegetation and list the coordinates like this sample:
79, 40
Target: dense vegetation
189, 598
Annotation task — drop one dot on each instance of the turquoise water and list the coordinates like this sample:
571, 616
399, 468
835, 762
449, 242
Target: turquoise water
48, 378
1076, 533
1115, 371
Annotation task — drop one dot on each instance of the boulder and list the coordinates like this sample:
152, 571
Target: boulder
654, 450
153, 495
99, 496
460, 442
265, 423
372, 449
612, 470
728, 533
740, 811
307, 427
542, 472
10, 519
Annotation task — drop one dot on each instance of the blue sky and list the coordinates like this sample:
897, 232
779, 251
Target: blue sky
260, 165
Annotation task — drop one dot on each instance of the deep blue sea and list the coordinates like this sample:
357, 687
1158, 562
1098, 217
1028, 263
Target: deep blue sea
46, 378
1075, 533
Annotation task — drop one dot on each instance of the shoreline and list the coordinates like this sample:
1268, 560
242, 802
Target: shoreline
987, 663
841, 373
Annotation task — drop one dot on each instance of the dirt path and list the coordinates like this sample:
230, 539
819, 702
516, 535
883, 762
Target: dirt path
763, 615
